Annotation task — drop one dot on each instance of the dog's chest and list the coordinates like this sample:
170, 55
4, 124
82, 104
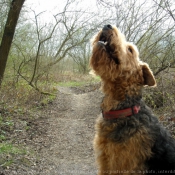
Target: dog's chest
126, 156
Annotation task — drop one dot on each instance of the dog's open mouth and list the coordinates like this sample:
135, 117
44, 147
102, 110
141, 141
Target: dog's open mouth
105, 41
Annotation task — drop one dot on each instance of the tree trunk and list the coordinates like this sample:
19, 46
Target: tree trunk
13, 15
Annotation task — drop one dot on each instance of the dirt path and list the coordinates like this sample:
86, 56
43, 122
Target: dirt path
64, 145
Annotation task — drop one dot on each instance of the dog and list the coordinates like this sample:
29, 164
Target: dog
128, 138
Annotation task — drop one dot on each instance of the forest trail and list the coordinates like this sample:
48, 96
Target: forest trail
65, 144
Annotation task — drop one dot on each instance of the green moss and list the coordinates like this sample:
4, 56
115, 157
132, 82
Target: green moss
6, 148
48, 99
72, 83
8, 152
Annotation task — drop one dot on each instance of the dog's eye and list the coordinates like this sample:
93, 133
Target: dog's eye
129, 48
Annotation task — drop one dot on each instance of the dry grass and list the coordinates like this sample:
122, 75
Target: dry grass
21, 110
162, 97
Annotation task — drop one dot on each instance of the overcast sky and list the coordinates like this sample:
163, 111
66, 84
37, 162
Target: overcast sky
50, 7
40, 5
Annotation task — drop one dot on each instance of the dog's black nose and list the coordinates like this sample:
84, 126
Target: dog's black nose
107, 27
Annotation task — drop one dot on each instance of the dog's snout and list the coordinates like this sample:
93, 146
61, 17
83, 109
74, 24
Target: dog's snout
107, 27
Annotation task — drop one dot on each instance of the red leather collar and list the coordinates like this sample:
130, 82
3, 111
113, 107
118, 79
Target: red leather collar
121, 113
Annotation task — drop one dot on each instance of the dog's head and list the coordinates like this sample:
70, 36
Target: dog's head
114, 59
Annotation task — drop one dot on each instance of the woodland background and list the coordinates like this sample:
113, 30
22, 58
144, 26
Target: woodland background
52, 49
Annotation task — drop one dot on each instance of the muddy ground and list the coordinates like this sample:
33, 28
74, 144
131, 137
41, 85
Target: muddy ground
60, 136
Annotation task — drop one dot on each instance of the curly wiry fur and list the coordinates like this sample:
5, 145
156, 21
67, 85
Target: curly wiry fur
137, 144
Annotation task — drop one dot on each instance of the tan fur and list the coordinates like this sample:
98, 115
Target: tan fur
128, 77
118, 81
121, 158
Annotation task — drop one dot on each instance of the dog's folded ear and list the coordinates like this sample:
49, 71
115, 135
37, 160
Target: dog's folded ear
148, 75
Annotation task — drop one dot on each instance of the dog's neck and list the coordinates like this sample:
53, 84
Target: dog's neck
120, 96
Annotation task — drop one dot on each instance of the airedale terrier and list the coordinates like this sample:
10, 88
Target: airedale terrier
129, 139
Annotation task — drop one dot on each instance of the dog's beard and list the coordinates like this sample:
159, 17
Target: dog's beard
105, 41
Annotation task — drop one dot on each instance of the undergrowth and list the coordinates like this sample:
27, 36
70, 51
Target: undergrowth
8, 153
20, 104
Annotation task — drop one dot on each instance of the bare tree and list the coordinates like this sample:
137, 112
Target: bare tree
13, 15
167, 50
4, 8
54, 41
149, 26
80, 56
